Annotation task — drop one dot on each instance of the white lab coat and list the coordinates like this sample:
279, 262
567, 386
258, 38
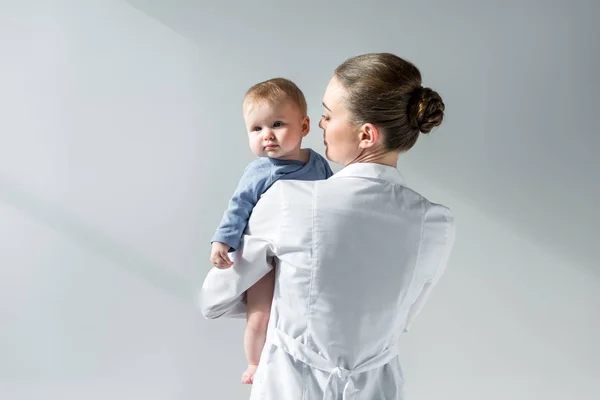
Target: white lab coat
357, 255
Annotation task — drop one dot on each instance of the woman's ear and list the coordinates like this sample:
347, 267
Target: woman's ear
368, 136
305, 126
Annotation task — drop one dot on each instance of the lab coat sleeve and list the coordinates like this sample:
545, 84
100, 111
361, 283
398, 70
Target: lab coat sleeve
436, 245
222, 293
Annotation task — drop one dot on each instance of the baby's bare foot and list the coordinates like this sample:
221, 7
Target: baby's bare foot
248, 375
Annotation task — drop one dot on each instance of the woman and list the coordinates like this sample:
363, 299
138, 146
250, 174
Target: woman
356, 254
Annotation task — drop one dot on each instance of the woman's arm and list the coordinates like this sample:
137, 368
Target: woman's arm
222, 293
434, 253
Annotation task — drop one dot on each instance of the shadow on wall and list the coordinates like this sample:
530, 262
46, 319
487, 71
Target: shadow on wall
92, 239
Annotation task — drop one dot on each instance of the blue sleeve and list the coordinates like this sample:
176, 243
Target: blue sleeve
246, 195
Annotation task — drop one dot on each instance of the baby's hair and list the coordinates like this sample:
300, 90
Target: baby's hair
275, 90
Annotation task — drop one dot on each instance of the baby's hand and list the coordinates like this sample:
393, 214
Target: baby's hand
219, 255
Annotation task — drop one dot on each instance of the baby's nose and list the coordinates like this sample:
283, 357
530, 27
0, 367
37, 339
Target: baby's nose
268, 133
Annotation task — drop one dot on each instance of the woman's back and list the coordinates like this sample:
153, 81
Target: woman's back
351, 265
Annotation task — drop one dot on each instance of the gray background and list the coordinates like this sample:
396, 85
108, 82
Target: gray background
121, 140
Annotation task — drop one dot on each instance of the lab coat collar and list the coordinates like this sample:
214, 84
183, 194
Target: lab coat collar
373, 171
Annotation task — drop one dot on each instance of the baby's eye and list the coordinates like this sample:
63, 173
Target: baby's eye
325, 117
256, 129
278, 124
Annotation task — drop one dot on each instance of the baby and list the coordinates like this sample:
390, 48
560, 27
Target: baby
275, 115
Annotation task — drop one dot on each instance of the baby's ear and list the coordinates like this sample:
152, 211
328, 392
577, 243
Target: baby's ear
305, 126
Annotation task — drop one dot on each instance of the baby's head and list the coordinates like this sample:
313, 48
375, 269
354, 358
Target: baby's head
275, 118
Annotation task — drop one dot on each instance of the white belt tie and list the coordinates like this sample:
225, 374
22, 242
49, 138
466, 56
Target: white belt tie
311, 358
343, 375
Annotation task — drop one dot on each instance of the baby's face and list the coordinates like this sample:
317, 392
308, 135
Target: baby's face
275, 130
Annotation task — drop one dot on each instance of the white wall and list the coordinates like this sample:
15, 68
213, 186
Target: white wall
118, 151
107, 157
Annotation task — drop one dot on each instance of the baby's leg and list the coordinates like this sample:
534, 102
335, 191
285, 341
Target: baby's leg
259, 298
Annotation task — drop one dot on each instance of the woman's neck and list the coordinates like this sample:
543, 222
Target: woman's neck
389, 158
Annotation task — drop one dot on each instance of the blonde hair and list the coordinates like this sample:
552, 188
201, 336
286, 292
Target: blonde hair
275, 90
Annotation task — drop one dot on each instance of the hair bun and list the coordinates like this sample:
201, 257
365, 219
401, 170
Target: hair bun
425, 109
